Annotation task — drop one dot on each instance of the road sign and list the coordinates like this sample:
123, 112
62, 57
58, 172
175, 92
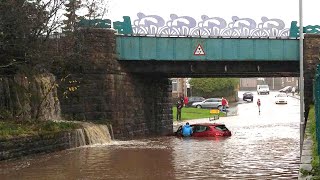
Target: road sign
199, 51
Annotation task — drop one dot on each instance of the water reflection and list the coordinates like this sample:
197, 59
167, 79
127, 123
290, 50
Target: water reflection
261, 147
169, 158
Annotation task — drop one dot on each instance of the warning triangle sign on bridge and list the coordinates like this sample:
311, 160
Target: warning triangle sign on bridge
199, 51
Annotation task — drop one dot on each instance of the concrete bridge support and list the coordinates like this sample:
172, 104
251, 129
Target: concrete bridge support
134, 104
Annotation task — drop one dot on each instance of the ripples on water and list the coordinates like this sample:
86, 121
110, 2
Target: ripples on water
268, 149
167, 158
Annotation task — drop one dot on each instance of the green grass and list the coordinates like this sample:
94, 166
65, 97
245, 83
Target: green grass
193, 113
10, 129
315, 155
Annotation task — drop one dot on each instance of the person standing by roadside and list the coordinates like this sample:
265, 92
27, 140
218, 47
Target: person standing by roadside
181, 98
224, 104
185, 101
259, 104
179, 108
293, 90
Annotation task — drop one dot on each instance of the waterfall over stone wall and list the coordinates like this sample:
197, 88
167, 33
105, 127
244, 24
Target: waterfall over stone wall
93, 134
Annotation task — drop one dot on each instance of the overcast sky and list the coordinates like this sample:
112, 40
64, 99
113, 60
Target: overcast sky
286, 10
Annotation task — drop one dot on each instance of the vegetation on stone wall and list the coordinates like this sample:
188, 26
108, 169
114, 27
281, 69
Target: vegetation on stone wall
25, 98
214, 87
10, 129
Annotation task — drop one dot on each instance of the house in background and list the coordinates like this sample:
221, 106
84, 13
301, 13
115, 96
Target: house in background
250, 84
180, 87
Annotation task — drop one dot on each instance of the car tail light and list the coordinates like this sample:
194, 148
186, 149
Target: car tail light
219, 134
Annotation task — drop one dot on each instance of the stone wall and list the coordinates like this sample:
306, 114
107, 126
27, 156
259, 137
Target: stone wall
311, 59
25, 97
23, 146
135, 104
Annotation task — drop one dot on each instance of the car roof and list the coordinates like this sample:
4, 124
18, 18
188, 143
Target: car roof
207, 124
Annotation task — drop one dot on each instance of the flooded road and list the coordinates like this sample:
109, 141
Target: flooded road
262, 146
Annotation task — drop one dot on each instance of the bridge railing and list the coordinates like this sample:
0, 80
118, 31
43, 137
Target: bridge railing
316, 97
212, 27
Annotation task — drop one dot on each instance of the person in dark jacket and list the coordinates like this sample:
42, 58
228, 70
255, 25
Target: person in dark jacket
187, 130
179, 107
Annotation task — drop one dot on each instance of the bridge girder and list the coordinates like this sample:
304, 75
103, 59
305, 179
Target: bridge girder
213, 68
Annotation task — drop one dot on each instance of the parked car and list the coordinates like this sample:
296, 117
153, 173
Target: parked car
263, 89
194, 99
207, 130
247, 95
209, 103
281, 98
286, 89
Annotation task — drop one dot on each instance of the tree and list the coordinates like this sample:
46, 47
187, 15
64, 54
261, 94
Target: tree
214, 87
25, 28
72, 6
96, 9
28, 47
24, 25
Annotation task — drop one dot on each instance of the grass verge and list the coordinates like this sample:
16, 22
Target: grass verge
315, 155
10, 129
193, 113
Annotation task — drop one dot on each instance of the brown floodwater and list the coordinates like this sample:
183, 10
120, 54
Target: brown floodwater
262, 146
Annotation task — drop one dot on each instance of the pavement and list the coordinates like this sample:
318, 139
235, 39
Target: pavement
306, 156
297, 96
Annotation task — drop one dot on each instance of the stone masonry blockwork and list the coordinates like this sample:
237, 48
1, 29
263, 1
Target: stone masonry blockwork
135, 104
23, 146
311, 59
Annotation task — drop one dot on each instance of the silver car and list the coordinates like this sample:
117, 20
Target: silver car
209, 103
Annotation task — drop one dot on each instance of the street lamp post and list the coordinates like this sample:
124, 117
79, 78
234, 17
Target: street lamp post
302, 121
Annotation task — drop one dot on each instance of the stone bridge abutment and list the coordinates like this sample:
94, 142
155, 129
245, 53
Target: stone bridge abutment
134, 104
311, 52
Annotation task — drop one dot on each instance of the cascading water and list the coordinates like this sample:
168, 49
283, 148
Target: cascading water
93, 134
80, 137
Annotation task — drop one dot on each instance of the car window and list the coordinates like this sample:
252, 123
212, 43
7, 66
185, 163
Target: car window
221, 127
196, 99
199, 128
264, 86
210, 100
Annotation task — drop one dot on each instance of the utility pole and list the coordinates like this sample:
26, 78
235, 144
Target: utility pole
302, 121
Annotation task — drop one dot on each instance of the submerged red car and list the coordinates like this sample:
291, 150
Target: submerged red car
207, 130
